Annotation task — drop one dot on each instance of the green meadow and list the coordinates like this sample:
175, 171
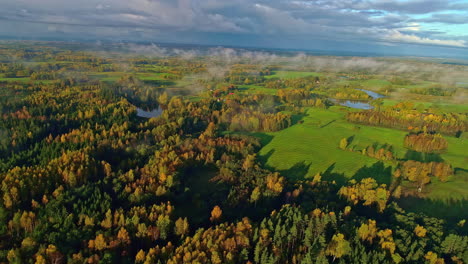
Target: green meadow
311, 147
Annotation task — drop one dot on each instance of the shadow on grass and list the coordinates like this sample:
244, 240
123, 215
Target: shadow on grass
329, 123
264, 138
329, 175
378, 171
423, 157
298, 118
297, 172
263, 159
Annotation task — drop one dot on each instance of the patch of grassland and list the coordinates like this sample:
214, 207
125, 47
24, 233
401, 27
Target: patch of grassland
314, 143
292, 74
22, 79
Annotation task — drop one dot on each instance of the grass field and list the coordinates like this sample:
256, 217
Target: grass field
292, 74
312, 147
23, 79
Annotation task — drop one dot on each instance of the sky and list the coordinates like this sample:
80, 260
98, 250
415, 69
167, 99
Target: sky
407, 27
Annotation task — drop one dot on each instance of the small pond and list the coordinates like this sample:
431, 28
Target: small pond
364, 105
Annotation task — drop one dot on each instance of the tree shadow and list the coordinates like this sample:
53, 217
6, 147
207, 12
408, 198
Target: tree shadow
297, 172
263, 159
423, 157
460, 170
329, 123
298, 118
378, 171
329, 175
264, 138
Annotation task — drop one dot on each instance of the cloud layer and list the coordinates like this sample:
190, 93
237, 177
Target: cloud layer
387, 22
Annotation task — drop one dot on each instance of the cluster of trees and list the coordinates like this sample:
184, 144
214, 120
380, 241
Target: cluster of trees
43, 76
302, 97
306, 83
445, 123
257, 121
348, 94
367, 191
420, 172
174, 68
382, 153
425, 142
246, 74
434, 90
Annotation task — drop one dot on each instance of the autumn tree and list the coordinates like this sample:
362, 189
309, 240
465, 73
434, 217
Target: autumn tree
216, 214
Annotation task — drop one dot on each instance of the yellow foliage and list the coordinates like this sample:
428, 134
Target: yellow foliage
420, 231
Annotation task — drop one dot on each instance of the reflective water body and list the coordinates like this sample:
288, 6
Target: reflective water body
364, 105
372, 94
356, 104
149, 114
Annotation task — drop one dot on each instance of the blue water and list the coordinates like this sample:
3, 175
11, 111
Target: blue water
364, 105
149, 114
372, 94
357, 105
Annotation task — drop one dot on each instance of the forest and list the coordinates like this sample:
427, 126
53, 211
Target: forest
252, 158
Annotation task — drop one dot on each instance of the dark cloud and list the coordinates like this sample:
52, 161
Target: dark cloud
203, 20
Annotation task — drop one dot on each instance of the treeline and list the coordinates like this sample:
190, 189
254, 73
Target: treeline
434, 90
306, 83
445, 123
302, 97
257, 121
348, 94
246, 74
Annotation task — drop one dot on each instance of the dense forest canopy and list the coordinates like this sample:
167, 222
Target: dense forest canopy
86, 179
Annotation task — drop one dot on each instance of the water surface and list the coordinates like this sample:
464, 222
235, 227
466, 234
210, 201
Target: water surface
364, 105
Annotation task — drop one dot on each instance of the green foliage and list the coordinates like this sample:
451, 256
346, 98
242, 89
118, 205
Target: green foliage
83, 179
